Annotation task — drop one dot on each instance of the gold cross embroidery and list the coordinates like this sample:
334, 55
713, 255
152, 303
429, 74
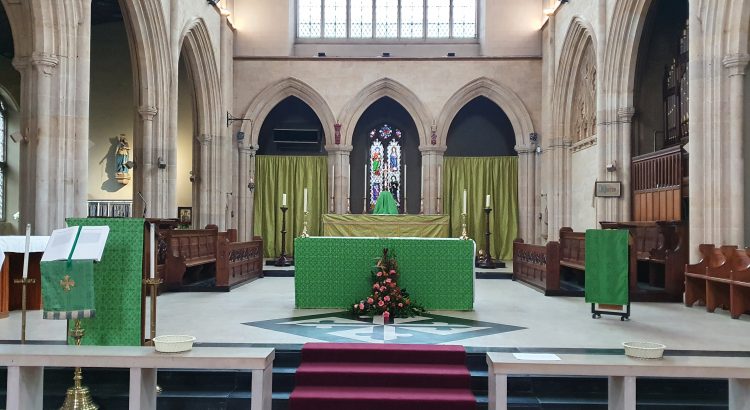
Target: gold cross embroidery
67, 283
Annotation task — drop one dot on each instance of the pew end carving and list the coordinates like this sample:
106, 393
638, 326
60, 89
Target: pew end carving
538, 266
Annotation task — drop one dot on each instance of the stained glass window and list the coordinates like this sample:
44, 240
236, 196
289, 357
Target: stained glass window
387, 19
385, 163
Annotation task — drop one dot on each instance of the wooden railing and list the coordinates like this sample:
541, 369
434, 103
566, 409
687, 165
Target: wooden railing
657, 185
537, 265
239, 262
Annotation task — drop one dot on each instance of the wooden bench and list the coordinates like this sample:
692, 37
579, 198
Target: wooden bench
622, 372
26, 364
238, 262
538, 265
661, 255
739, 288
695, 276
573, 259
721, 279
186, 249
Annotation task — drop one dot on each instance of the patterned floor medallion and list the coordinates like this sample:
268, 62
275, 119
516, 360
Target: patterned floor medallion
424, 329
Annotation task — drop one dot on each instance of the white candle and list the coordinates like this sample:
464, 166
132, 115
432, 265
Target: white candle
283, 199
487, 201
304, 206
152, 252
464, 207
421, 183
26, 252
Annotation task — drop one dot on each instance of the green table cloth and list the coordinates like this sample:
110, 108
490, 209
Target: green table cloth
334, 272
386, 204
607, 266
413, 226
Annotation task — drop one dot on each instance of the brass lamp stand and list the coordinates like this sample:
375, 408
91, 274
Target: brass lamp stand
24, 282
304, 233
464, 234
78, 396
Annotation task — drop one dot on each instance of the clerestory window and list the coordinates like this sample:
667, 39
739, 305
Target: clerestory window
387, 19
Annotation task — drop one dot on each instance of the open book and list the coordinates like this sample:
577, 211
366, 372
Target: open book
90, 243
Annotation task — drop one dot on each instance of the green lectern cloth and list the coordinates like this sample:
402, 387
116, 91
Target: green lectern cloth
607, 266
68, 289
385, 204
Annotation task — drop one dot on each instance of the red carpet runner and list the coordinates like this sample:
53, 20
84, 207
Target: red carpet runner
340, 376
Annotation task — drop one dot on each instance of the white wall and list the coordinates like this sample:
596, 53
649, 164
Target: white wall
511, 28
184, 138
111, 110
264, 27
582, 189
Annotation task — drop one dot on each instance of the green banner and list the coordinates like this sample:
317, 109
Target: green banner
607, 266
385, 205
68, 289
334, 272
117, 284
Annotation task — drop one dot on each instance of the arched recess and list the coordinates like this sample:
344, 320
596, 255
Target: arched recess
384, 87
272, 95
152, 67
197, 49
574, 119
501, 95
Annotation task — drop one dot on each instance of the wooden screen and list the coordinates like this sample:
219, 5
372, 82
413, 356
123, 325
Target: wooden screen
657, 185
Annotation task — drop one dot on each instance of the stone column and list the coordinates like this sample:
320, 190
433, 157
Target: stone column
559, 192
226, 76
246, 188
526, 191
733, 212
339, 172
622, 212
146, 170
432, 166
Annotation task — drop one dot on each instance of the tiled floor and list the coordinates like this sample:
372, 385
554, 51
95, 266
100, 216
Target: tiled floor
506, 314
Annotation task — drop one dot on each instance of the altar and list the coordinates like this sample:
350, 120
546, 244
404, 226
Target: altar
383, 226
334, 272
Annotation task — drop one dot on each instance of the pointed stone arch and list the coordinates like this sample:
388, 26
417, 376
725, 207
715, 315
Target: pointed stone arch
504, 97
275, 93
198, 51
385, 87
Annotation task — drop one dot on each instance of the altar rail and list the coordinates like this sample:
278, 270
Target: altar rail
26, 364
622, 372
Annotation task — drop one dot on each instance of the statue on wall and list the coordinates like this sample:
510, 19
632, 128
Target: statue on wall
122, 153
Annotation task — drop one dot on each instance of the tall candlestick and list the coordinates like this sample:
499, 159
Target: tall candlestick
464, 207
333, 188
304, 206
283, 199
26, 252
364, 188
487, 201
404, 190
421, 182
438, 183
152, 253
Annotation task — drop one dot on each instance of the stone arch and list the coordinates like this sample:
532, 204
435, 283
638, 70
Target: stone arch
148, 40
197, 49
579, 42
272, 95
384, 87
504, 97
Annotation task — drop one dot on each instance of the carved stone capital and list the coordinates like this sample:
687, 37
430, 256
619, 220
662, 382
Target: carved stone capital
247, 149
43, 61
432, 150
625, 114
339, 148
147, 112
525, 149
736, 63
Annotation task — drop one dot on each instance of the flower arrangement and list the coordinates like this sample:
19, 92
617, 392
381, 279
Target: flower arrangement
387, 298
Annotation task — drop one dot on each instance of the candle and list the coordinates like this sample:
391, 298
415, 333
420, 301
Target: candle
464, 208
152, 256
487, 201
304, 207
404, 190
283, 199
438, 182
364, 187
26, 252
421, 183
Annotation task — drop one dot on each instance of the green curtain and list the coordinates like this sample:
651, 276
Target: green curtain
276, 175
479, 176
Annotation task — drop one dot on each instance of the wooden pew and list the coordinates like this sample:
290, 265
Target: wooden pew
538, 265
695, 276
238, 262
739, 288
661, 254
189, 252
718, 278
572, 257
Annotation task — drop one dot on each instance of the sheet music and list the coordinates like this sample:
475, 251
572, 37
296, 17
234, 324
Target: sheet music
90, 244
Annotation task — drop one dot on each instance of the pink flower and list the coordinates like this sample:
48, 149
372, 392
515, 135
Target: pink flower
375, 286
400, 305
393, 272
361, 306
388, 280
387, 298
381, 304
369, 301
393, 284
382, 288
379, 274
386, 315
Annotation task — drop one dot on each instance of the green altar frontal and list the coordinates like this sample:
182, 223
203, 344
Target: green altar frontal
334, 272
387, 226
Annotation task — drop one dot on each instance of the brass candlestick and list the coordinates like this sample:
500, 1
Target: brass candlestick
78, 396
304, 233
486, 261
23, 282
153, 285
464, 234
421, 206
437, 206
283, 260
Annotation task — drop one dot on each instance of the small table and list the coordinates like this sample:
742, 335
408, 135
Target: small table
11, 256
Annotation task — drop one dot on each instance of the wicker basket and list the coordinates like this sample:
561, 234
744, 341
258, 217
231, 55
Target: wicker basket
644, 350
173, 343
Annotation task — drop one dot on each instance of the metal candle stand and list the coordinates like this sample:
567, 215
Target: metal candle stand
153, 285
464, 233
304, 233
485, 260
24, 282
283, 260
78, 397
